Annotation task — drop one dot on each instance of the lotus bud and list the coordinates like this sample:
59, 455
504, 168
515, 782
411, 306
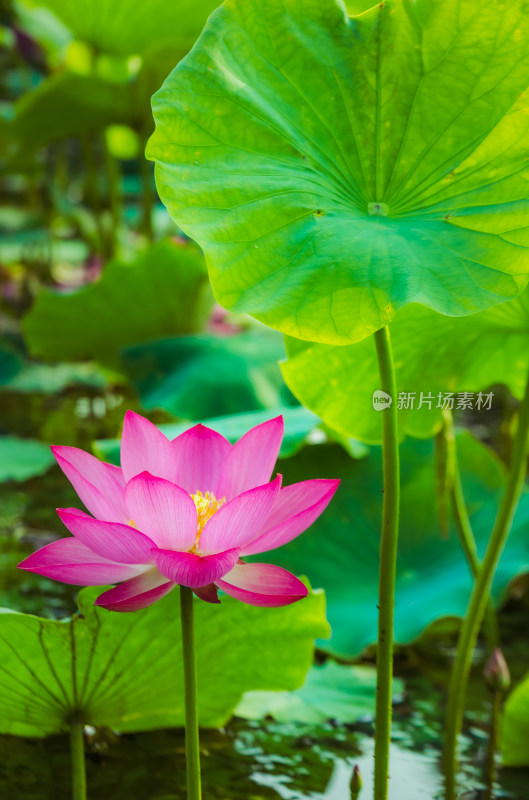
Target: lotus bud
496, 673
356, 783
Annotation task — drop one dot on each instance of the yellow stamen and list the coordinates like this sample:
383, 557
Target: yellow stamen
131, 522
206, 505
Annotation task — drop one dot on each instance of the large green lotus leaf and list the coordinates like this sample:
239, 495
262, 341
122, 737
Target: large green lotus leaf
21, 459
515, 727
433, 354
124, 670
299, 425
164, 292
332, 691
204, 376
341, 550
68, 104
334, 169
125, 27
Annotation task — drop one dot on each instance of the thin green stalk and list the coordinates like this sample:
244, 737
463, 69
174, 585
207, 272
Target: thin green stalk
190, 684
78, 761
466, 535
490, 623
494, 735
388, 564
479, 597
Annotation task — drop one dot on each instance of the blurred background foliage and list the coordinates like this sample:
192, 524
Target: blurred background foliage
105, 306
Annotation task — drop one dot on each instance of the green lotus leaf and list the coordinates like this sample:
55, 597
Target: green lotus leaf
434, 355
332, 691
125, 27
334, 169
123, 671
21, 459
197, 377
299, 425
515, 727
164, 292
340, 552
68, 104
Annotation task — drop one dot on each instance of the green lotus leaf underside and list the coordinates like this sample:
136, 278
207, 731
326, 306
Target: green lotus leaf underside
438, 360
123, 671
336, 168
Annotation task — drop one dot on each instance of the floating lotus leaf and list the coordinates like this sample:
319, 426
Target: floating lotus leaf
334, 169
332, 691
21, 459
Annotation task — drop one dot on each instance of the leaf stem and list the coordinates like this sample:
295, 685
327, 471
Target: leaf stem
495, 722
388, 564
78, 761
479, 597
464, 529
190, 682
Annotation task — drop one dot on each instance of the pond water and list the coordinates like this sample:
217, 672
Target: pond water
256, 761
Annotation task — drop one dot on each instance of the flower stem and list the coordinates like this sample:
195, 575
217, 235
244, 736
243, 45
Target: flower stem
388, 564
78, 761
190, 682
479, 597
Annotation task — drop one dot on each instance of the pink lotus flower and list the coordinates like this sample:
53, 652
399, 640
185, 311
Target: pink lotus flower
181, 512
